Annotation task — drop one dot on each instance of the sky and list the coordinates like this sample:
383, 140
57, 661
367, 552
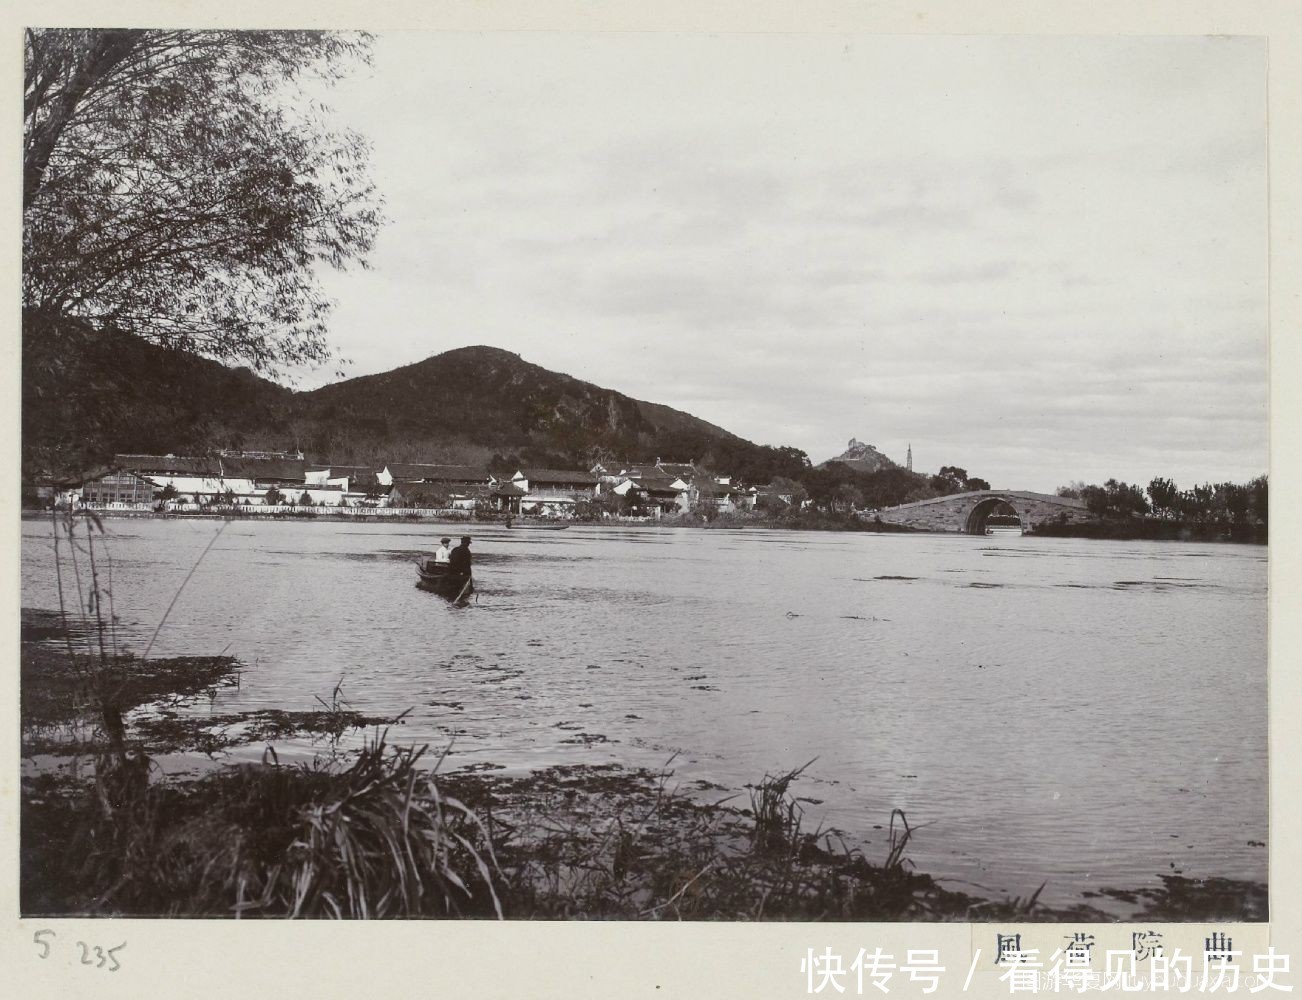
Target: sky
1040, 259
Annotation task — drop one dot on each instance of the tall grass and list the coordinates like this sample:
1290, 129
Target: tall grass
377, 840
777, 816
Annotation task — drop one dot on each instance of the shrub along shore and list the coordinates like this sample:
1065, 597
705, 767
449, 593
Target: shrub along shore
381, 833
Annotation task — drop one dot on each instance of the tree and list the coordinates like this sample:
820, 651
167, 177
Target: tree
846, 497
891, 487
1238, 502
604, 504
1114, 499
273, 497
305, 500
821, 480
428, 498
1096, 500
1259, 491
950, 479
168, 492
975, 484
783, 487
705, 495
1073, 490
1164, 496
1196, 504
1125, 500
172, 190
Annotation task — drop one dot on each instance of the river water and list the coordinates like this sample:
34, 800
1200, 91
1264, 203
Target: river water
1082, 713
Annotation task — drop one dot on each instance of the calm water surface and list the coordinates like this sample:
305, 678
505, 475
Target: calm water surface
1092, 714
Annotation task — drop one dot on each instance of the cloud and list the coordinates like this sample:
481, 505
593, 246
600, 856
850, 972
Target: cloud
1027, 255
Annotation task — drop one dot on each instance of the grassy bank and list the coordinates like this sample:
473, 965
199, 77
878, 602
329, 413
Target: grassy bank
386, 837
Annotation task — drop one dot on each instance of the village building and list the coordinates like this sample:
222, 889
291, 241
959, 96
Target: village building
442, 487
264, 471
363, 494
457, 487
192, 479
505, 496
730, 498
546, 492
43, 491
360, 483
657, 487
217, 478
444, 475
436, 496
319, 495
771, 496
154, 466
652, 496
117, 486
664, 494
686, 471
353, 475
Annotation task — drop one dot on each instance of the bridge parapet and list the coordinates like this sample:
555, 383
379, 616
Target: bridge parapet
966, 512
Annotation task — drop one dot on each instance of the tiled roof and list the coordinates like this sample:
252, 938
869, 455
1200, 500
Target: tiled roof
292, 470
613, 467
536, 476
418, 472
337, 471
684, 470
165, 464
654, 480
100, 472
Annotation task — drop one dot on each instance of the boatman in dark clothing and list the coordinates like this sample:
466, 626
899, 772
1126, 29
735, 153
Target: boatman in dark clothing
459, 563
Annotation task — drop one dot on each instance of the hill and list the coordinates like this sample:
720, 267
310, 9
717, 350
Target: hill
87, 395
863, 458
476, 397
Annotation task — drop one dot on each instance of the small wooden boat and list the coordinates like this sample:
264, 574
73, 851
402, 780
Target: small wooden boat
438, 579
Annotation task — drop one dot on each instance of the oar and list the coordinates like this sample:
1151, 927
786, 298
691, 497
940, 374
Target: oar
469, 579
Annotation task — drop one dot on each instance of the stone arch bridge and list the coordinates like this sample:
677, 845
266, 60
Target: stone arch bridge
967, 513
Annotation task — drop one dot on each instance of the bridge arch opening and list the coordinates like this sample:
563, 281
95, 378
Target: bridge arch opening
993, 511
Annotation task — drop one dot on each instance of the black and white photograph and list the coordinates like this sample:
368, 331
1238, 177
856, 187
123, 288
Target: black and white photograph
559, 476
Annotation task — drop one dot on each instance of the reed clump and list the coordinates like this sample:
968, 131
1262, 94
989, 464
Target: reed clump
379, 839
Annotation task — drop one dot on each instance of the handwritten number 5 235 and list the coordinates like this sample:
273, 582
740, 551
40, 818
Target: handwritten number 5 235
101, 956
